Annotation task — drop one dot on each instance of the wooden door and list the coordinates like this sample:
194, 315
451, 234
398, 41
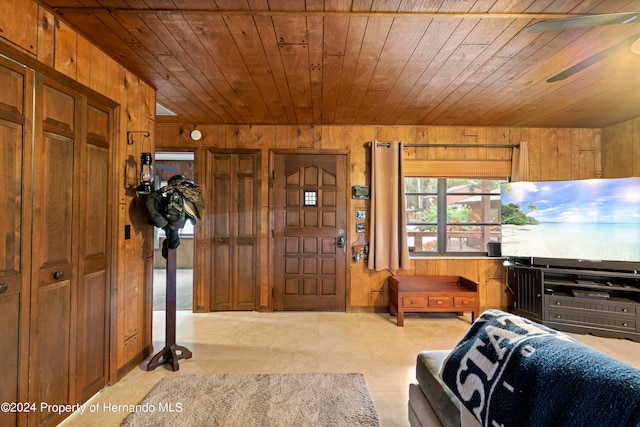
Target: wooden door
15, 249
94, 246
309, 228
232, 228
55, 239
71, 246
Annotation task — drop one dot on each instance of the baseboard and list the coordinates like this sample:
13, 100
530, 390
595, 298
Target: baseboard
369, 309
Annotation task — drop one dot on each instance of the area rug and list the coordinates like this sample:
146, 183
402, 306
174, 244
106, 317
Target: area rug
257, 400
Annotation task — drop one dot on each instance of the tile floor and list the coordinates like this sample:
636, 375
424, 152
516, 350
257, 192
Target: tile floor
292, 342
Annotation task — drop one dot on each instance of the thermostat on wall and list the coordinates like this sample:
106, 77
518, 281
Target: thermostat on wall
360, 192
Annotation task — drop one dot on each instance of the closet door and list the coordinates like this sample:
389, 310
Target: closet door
55, 239
15, 152
94, 243
233, 229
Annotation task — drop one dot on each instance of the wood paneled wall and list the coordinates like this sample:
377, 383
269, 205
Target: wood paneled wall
32, 36
554, 154
621, 150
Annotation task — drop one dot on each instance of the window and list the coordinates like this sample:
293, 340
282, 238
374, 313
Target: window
447, 216
311, 197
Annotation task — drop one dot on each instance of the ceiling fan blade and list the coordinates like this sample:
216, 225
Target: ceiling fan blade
593, 59
584, 22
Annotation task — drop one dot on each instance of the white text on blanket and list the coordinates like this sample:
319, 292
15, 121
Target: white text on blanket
501, 340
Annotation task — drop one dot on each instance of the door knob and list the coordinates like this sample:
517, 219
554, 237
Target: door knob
340, 242
3, 288
58, 274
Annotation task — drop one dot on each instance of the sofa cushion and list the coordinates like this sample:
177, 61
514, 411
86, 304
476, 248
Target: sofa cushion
444, 403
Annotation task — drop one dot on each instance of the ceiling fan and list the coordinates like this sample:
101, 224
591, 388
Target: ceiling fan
585, 22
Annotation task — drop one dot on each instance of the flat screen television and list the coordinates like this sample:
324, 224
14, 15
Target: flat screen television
591, 224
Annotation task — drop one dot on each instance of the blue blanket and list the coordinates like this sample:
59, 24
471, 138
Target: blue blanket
510, 371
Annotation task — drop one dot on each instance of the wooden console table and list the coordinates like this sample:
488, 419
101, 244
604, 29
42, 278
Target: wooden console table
423, 294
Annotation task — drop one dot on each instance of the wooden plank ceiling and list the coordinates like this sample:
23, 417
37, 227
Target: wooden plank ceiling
382, 62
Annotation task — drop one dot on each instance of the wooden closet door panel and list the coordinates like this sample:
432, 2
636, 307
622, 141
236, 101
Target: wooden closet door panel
15, 233
54, 264
10, 342
54, 260
245, 286
94, 200
54, 314
246, 191
56, 196
11, 271
93, 283
221, 255
246, 232
233, 227
91, 371
11, 197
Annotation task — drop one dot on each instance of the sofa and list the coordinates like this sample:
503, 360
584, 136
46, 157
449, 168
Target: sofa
510, 371
431, 402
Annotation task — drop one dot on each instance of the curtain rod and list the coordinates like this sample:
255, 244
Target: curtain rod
386, 144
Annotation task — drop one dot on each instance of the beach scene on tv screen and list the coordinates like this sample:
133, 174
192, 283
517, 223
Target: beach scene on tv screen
594, 219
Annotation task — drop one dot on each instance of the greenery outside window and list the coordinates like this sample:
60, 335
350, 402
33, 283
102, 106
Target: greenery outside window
452, 216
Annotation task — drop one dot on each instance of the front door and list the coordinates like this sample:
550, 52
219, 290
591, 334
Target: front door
309, 232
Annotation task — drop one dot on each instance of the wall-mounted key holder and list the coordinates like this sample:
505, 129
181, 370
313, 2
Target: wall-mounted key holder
360, 250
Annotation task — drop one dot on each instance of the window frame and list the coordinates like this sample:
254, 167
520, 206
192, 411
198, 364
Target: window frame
441, 224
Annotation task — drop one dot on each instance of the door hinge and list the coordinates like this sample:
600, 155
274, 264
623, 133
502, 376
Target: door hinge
273, 174
273, 293
273, 233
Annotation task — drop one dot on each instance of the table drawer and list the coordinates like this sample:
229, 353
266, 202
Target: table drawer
460, 302
440, 302
415, 302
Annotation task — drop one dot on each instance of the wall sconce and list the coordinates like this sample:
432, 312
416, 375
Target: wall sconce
146, 169
146, 174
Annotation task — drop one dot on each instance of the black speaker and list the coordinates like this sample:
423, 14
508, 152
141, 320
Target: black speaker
494, 249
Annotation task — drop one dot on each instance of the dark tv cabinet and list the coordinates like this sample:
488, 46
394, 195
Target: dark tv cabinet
528, 293
598, 302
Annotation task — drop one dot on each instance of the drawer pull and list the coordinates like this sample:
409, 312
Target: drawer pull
58, 274
558, 316
625, 324
625, 310
558, 303
3, 288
